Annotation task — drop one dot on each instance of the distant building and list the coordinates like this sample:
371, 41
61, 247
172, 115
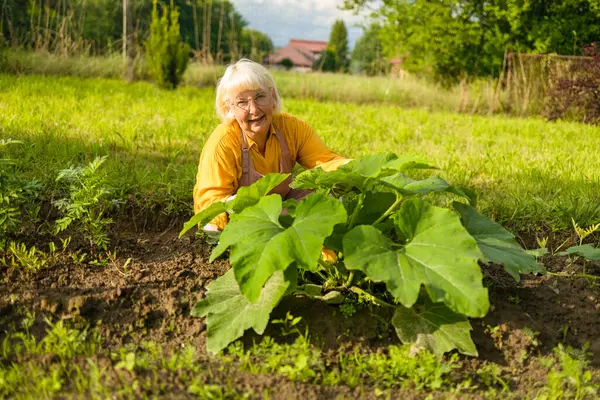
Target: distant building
299, 55
397, 69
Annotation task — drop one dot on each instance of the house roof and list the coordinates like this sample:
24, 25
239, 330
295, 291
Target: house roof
297, 55
310, 45
300, 52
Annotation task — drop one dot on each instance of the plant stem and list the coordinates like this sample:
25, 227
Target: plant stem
390, 210
361, 198
349, 280
325, 265
566, 275
373, 299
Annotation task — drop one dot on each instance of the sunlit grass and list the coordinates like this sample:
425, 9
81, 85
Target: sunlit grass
480, 96
527, 172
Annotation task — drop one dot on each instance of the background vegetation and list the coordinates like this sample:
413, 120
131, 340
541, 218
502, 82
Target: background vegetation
453, 39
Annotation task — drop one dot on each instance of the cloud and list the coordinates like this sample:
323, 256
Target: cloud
283, 20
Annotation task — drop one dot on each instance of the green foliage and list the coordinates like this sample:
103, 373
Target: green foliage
569, 376
31, 259
84, 27
275, 246
255, 45
17, 195
368, 55
338, 44
230, 313
287, 63
328, 61
69, 120
247, 197
436, 252
384, 229
497, 244
86, 203
451, 39
166, 55
586, 250
301, 361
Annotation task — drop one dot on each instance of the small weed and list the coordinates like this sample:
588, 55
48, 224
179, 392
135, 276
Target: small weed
86, 202
491, 375
347, 309
18, 255
288, 324
569, 376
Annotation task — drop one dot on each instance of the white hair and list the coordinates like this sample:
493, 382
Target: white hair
239, 77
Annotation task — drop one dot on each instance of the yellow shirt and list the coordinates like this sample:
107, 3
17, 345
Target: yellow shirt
220, 167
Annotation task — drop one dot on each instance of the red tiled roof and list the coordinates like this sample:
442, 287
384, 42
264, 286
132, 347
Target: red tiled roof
310, 45
299, 56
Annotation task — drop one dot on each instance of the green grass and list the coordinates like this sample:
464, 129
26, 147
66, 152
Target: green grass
528, 173
70, 361
480, 96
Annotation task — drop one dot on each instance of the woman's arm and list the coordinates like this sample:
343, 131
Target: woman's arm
312, 152
216, 179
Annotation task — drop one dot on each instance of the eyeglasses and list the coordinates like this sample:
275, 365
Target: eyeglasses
260, 100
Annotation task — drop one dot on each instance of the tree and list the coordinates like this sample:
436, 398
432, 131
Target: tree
255, 45
166, 55
328, 61
287, 63
368, 56
457, 38
338, 44
96, 26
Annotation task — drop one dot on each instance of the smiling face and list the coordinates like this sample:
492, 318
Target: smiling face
253, 110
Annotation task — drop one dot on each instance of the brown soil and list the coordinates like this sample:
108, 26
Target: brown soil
150, 299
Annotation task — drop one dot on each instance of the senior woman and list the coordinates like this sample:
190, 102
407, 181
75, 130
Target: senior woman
254, 139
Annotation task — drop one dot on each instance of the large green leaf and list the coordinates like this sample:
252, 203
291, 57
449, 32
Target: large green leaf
434, 327
588, 251
363, 173
405, 163
308, 179
409, 187
373, 206
496, 243
246, 196
317, 178
261, 245
230, 313
204, 217
370, 166
436, 252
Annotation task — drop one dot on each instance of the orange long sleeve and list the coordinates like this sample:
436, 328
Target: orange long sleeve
220, 166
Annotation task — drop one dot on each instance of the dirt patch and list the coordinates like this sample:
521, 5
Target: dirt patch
146, 291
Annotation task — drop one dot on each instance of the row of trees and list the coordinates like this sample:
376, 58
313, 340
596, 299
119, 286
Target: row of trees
456, 38
213, 29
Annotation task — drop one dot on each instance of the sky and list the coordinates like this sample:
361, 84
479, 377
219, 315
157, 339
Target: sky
283, 20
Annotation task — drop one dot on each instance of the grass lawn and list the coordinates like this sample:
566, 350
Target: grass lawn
78, 322
528, 173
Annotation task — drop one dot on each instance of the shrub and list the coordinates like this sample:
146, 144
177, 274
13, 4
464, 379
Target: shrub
575, 94
166, 55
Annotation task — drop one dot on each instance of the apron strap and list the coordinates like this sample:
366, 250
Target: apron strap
286, 164
245, 161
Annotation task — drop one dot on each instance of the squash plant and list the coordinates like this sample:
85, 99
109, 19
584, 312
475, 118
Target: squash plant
394, 249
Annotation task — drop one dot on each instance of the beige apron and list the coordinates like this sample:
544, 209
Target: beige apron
286, 164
